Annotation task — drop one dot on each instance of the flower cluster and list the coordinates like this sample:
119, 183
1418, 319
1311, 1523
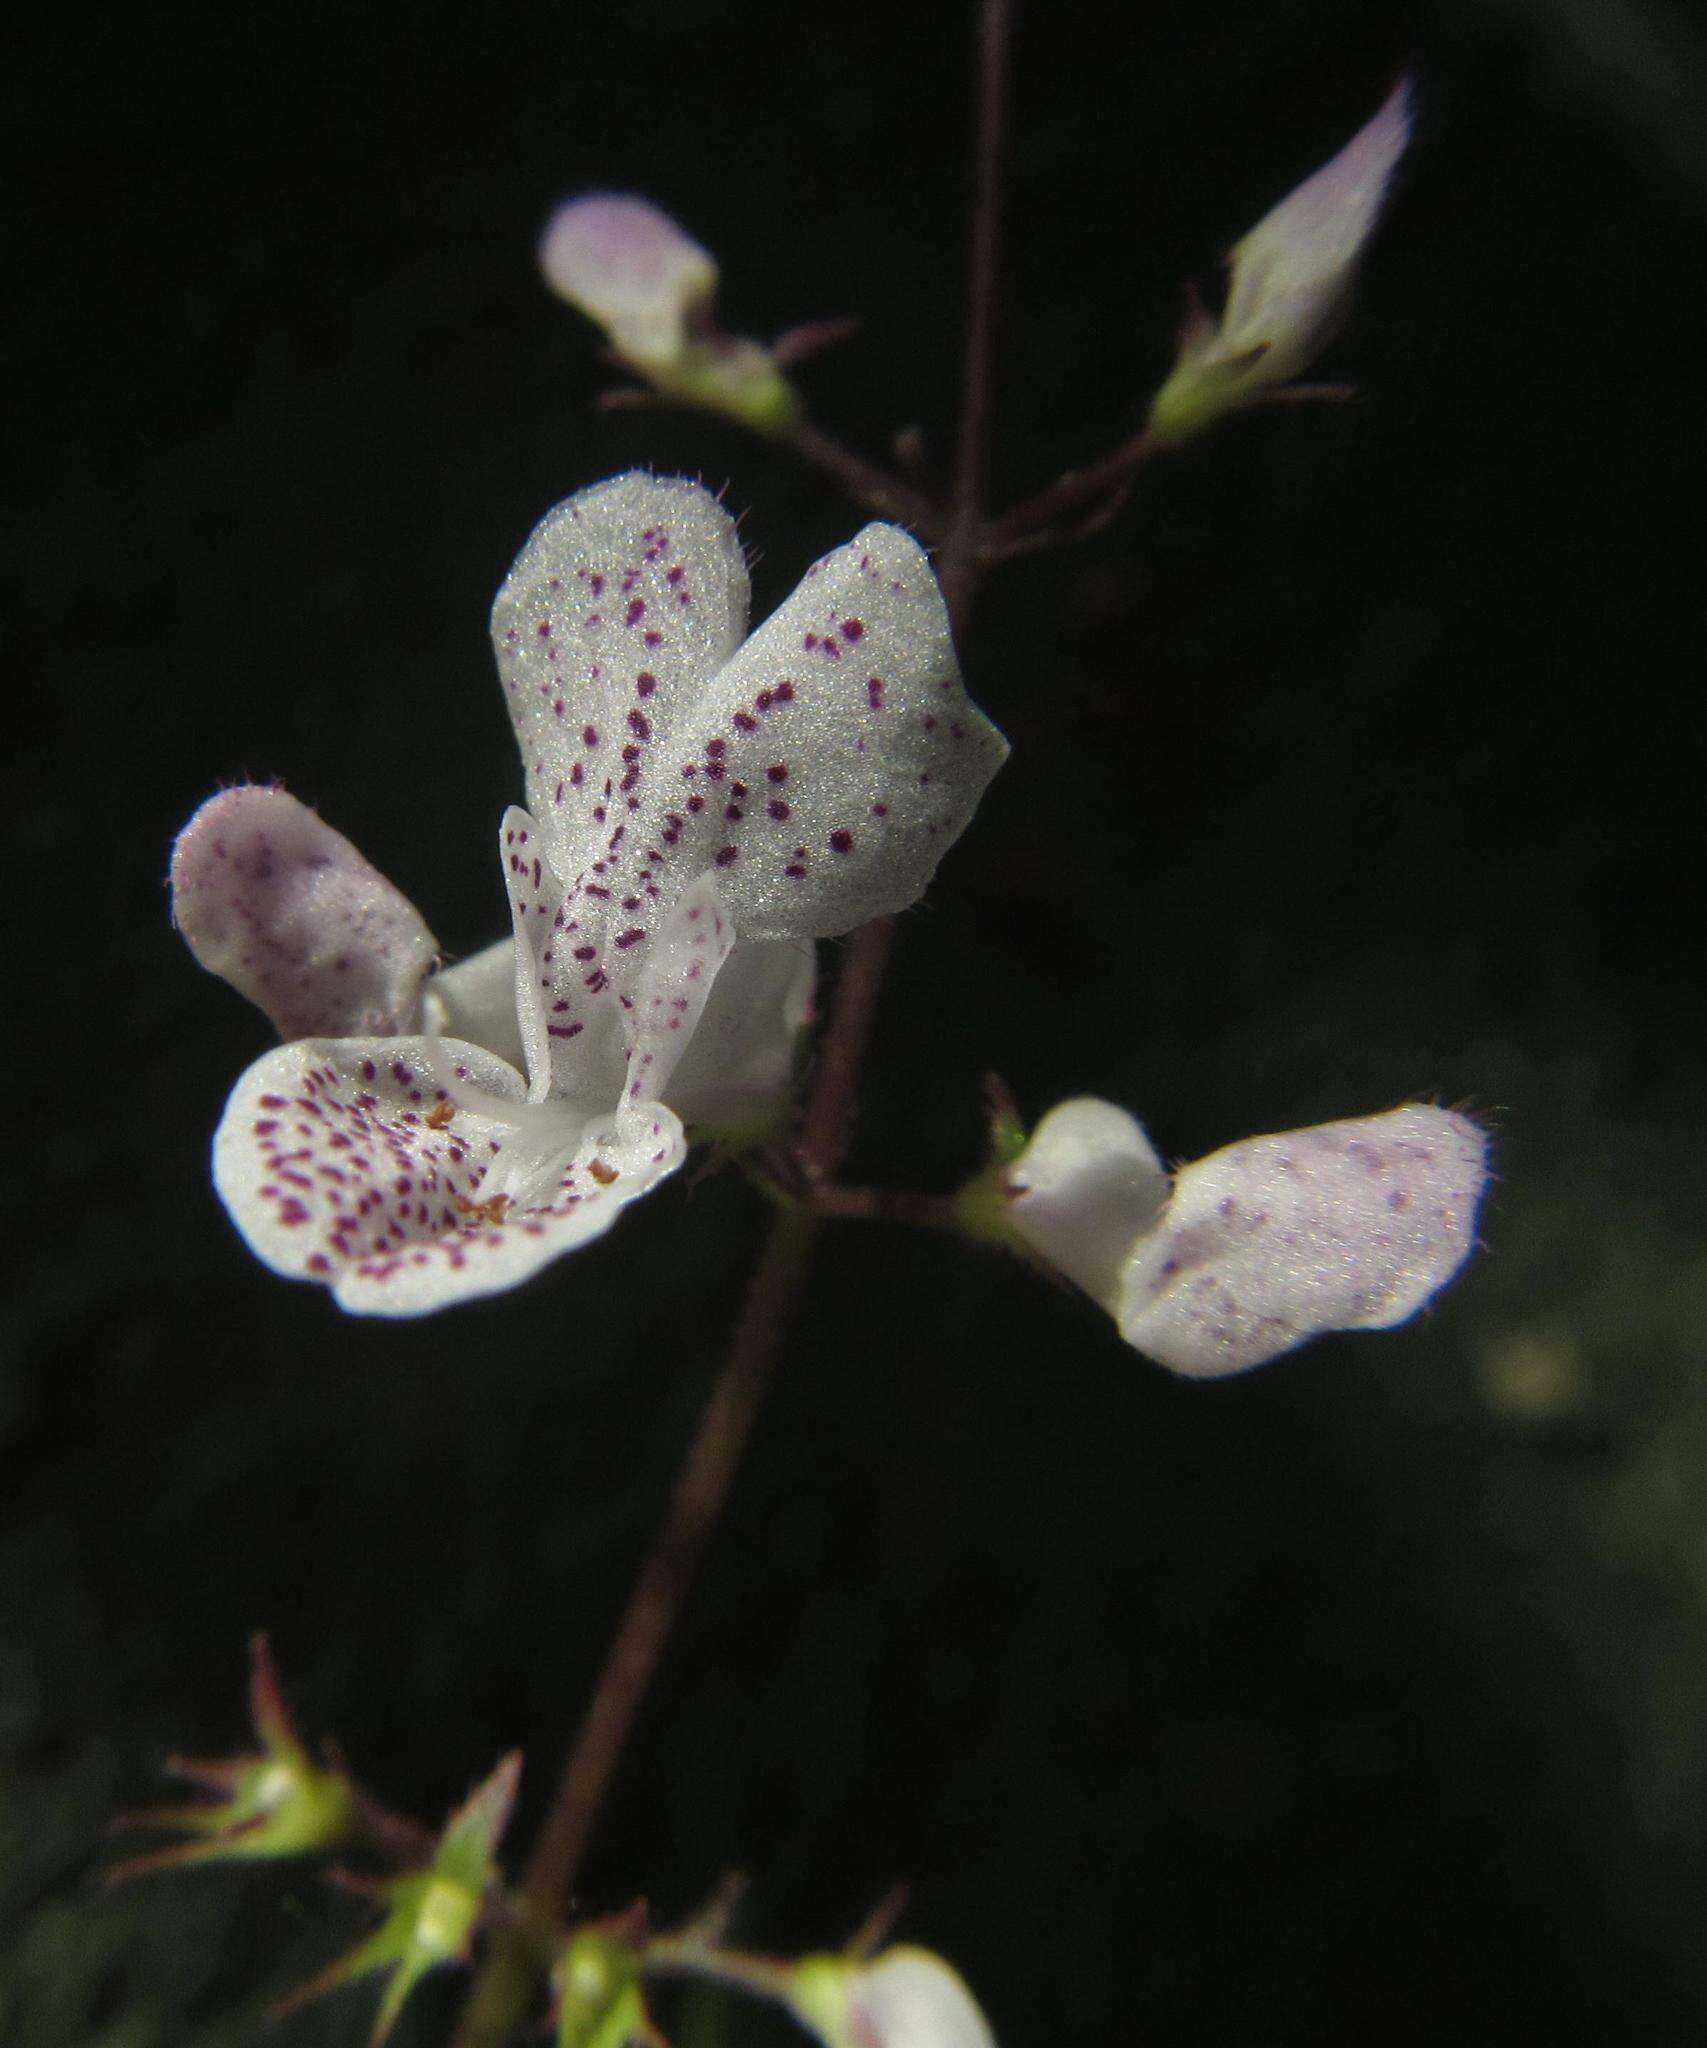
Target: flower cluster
700, 808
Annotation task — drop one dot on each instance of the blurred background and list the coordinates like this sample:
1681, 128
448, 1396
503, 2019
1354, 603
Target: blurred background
1365, 1697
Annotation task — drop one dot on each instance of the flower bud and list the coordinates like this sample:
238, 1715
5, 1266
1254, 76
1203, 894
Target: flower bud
1290, 284
635, 273
904, 1998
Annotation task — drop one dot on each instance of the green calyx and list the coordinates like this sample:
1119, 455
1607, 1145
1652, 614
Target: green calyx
599, 2001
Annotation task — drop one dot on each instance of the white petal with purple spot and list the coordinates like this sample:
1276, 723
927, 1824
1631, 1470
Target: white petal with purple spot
833, 762
410, 1173
681, 967
1345, 1226
625, 601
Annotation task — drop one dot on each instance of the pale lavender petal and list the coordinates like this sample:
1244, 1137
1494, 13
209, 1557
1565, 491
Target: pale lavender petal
627, 265
625, 601
275, 902
1087, 1186
833, 762
1343, 1226
740, 1061
409, 1173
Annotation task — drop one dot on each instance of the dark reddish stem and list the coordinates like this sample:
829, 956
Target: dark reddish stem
508, 1986
886, 1205
671, 1566
963, 551
1080, 488
877, 489
509, 1983
1101, 485
828, 1124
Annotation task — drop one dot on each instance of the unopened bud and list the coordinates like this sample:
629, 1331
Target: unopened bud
1290, 284
640, 277
904, 1998
599, 2001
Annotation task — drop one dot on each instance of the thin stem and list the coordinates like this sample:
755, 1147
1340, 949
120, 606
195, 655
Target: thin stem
502, 1993
668, 1955
885, 1205
509, 1980
879, 490
962, 552
1026, 524
672, 1564
868, 483
1078, 488
827, 1127
507, 1986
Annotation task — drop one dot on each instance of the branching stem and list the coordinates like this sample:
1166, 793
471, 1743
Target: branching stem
1097, 482
879, 490
508, 1986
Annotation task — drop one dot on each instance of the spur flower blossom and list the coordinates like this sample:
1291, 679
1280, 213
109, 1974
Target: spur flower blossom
1264, 1244
700, 808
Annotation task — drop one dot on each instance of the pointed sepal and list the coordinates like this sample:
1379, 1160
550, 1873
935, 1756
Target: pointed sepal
596, 1983
982, 1206
430, 1914
273, 1801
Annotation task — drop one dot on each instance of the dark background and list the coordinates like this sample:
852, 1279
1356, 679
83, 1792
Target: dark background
1365, 1698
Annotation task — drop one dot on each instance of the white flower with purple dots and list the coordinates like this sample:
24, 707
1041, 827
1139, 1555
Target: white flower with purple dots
700, 808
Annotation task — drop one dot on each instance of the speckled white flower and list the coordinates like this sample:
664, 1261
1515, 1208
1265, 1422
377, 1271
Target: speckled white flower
1344, 1226
904, 1998
699, 811
1290, 283
636, 274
